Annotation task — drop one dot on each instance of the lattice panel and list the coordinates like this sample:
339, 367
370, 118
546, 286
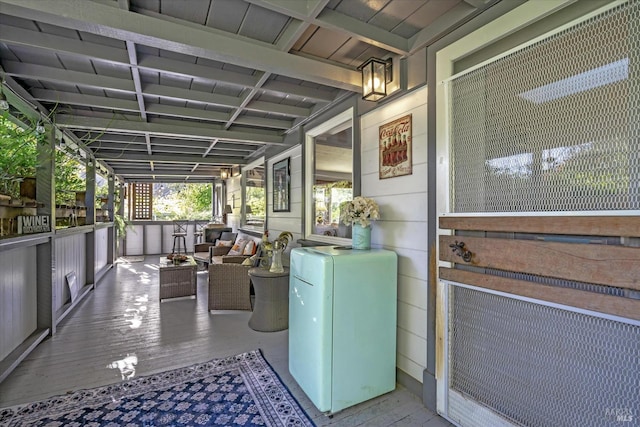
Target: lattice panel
554, 126
543, 366
142, 198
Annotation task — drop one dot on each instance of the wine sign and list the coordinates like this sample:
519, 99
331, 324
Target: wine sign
394, 141
28, 224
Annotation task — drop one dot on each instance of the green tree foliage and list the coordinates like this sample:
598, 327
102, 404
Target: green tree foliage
257, 201
68, 178
19, 158
18, 155
182, 201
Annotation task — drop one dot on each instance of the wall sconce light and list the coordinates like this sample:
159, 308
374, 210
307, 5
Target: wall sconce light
376, 73
224, 173
227, 210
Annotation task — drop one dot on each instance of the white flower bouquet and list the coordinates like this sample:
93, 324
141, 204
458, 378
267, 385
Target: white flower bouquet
362, 210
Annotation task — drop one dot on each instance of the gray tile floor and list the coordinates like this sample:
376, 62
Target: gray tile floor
121, 329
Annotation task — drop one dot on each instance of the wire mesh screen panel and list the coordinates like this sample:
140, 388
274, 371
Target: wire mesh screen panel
554, 126
542, 366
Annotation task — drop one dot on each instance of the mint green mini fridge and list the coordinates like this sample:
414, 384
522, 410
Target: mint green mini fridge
342, 324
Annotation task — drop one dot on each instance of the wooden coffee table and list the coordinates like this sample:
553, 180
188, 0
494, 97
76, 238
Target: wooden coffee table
178, 280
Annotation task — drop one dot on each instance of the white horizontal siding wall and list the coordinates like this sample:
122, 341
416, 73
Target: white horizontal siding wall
18, 297
101, 247
403, 226
70, 255
234, 192
287, 221
135, 240
156, 239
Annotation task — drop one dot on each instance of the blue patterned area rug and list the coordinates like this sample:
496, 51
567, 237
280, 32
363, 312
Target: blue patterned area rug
241, 390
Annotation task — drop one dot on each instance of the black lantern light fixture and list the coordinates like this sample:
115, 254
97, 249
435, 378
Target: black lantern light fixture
376, 73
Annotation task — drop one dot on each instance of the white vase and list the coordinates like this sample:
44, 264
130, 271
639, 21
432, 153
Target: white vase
360, 237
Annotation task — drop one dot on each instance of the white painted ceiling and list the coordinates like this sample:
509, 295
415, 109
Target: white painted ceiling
174, 90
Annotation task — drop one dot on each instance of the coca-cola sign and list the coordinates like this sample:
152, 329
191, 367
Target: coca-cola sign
394, 142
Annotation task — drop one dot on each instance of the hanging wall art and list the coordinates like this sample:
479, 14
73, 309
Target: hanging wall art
395, 148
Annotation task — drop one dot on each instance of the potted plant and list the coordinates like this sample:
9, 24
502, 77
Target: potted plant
359, 213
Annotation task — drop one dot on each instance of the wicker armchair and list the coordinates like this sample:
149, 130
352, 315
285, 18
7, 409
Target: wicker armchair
229, 285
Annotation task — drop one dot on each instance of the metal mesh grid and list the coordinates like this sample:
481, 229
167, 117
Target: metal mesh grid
543, 366
554, 281
554, 126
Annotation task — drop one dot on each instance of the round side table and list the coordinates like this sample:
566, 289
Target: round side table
271, 304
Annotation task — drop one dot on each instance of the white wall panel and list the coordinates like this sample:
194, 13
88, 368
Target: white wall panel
414, 348
403, 224
412, 263
134, 240
233, 221
409, 366
399, 207
277, 225
101, 247
292, 220
234, 198
408, 185
70, 255
190, 237
412, 291
153, 239
18, 317
400, 234
412, 318
395, 110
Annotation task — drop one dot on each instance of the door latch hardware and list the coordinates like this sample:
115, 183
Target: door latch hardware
461, 251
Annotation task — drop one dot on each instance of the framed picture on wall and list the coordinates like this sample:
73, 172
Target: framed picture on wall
281, 184
395, 148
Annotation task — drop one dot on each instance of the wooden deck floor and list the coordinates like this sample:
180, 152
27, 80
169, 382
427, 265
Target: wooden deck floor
121, 329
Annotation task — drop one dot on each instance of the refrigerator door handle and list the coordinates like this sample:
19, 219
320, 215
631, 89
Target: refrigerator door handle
302, 280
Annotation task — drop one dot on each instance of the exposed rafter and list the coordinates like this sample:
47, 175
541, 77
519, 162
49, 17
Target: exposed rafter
160, 91
104, 20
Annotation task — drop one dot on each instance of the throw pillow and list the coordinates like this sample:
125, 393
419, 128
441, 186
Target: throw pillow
224, 242
249, 261
250, 248
238, 247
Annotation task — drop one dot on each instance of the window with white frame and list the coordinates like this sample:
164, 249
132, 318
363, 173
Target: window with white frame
329, 177
254, 195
